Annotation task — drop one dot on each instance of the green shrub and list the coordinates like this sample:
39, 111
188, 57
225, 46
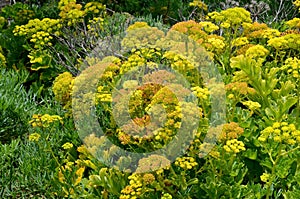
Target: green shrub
16, 105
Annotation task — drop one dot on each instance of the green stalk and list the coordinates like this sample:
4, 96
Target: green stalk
273, 170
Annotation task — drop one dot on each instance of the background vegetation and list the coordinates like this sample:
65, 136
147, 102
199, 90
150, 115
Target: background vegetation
44, 46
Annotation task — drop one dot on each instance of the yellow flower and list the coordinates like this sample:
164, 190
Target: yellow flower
201, 93
276, 125
79, 174
265, 177
61, 176
225, 25
281, 132
230, 96
148, 178
62, 87
166, 196
234, 146
209, 26
270, 33
292, 66
252, 105
233, 16
186, 162
44, 120
138, 25
257, 51
34, 137
240, 41
216, 43
278, 42
297, 3
67, 145
230, 131
199, 4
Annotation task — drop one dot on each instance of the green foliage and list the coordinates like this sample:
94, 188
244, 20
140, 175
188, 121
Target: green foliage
170, 10
16, 105
253, 155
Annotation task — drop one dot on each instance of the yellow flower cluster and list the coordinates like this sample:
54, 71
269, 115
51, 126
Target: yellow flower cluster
199, 4
167, 98
186, 163
39, 33
234, 146
189, 110
39, 120
217, 45
178, 62
71, 13
208, 26
84, 151
190, 28
134, 189
133, 62
76, 179
140, 35
35, 25
67, 145
148, 178
148, 53
293, 23
225, 25
172, 123
41, 39
63, 3
153, 163
292, 66
230, 131
201, 93
259, 30
242, 50
233, 16
196, 32
288, 41
34, 137
137, 25
257, 51
265, 177
239, 88
297, 3
270, 33
102, 95
240, 41
281, 132
94, 8
62, 88
252, 105
123, 137
110, 71
166, 196
95, 25
278, 43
